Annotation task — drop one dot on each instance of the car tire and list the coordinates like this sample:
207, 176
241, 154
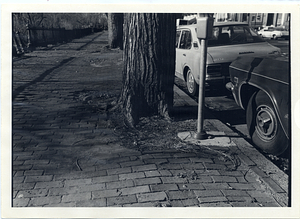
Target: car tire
192, 86
264, 126
274, 37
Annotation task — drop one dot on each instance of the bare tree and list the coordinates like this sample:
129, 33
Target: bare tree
58, 20
115, 30
149, 65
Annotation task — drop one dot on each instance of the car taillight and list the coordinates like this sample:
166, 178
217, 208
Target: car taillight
214, 70
218, 70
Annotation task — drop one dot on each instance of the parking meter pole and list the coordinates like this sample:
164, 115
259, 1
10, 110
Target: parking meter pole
201, 134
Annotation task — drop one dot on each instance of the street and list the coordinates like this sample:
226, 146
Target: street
280, 43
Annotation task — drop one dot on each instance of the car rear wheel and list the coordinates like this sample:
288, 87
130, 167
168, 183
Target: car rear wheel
263, 125
274, 37
191, 84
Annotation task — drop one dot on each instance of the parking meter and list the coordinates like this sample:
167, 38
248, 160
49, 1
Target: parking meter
204, 32
205, 27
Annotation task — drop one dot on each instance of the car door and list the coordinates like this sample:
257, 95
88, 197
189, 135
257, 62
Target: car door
178, 70
268, 32
183, 51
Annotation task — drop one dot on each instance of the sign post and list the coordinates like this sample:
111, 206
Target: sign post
204, 32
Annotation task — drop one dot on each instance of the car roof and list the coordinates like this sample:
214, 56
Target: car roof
217, 24
229, 23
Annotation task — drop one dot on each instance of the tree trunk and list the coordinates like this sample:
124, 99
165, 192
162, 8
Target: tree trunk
149, 65
115, 30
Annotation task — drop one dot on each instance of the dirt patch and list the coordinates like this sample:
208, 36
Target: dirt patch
151, 133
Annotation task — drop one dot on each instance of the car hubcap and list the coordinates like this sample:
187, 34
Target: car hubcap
190, 83
266, 123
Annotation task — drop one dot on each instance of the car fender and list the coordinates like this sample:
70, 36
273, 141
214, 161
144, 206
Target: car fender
278, 33
185, 68
194, 66
271, 97
246, 86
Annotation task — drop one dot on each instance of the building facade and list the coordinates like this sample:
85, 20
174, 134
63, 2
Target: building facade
254, 20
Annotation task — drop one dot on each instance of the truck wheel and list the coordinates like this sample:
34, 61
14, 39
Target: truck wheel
191, 84
263, 125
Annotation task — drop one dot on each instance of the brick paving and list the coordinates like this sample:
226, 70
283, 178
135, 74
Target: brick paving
66, 155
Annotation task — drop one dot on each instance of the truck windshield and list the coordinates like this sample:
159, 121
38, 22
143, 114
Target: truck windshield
232, 35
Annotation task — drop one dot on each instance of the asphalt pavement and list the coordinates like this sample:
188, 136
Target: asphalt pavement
65, 155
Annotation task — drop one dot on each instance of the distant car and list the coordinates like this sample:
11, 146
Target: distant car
261, 86
230, 40
274, 32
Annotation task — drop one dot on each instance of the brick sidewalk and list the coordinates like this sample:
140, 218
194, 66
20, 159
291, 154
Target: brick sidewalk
66, 155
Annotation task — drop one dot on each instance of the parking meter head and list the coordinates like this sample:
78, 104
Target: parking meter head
205, 27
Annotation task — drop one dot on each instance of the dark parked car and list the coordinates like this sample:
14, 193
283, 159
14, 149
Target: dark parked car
261, 86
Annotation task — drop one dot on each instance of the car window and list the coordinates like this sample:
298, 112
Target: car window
177, 37
269, 29
185, 40
241, 35
280, 28
231, 35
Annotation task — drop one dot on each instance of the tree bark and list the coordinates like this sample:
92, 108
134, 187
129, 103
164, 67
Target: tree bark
115, 30
149, 65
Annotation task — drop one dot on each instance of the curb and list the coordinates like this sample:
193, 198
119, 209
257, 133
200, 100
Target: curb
275, 180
